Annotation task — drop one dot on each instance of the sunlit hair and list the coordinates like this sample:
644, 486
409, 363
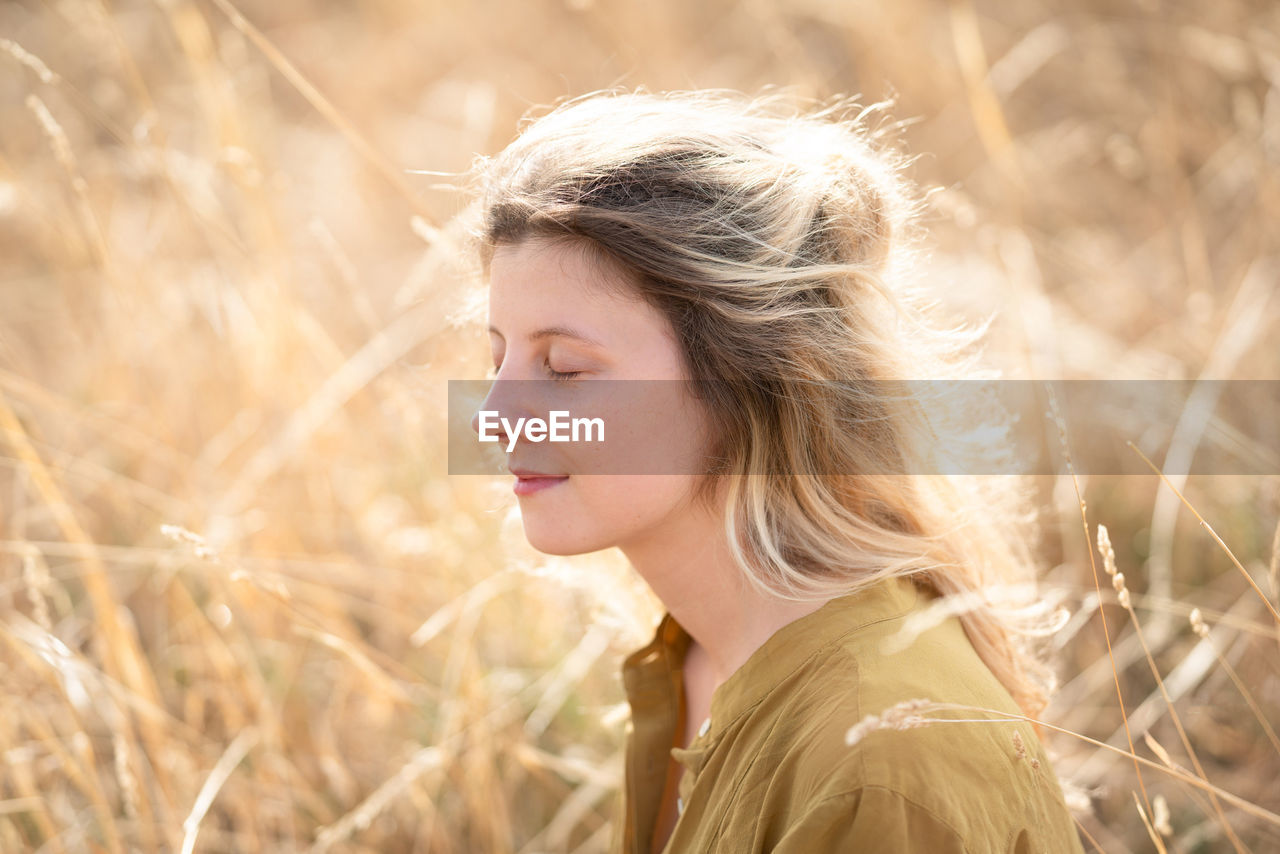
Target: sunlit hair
777, 241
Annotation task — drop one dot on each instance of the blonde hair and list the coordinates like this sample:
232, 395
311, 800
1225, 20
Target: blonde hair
777, 239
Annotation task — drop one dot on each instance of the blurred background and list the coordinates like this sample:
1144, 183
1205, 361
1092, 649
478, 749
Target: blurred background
242, 606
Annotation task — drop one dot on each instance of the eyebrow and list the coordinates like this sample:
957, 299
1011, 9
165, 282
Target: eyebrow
558, 332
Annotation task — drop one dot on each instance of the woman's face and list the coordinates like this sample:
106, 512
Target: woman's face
550, 311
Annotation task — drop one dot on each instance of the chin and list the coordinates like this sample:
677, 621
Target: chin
553, 539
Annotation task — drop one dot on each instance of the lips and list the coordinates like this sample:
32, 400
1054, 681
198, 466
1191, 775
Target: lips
530, 473
529, 482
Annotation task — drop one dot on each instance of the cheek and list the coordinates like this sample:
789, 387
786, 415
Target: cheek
629, 501
652, 428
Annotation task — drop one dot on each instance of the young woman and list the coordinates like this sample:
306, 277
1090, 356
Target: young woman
754, 256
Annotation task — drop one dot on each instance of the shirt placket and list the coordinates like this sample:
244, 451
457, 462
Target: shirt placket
692, 759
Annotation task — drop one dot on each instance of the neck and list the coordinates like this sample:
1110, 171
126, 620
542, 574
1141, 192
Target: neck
688, 564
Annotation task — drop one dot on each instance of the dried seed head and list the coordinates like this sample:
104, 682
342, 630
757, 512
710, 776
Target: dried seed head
35, 576
1123, 596
29, 60
1117, 581
1055, 414
1197, 623
179, 534
1160, 816
904, 715
1105, 549
124, 776
1019, 749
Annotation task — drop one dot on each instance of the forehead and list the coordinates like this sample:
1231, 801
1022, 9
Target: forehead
562, 277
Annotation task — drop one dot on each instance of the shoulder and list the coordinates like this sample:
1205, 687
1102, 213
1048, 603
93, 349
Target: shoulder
854, 684
931, 785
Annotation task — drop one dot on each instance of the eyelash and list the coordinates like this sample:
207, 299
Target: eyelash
562, 376
557, 376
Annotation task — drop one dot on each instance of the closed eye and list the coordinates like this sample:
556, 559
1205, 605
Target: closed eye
558, 376
561, 376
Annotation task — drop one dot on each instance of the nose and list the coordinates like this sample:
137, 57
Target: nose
495, 425
506, 398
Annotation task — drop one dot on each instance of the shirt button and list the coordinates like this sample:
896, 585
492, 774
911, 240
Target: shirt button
706, 725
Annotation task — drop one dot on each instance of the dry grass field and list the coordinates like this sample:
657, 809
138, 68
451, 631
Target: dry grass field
243, 608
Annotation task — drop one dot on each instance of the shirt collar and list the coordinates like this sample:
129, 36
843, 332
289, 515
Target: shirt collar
782, 654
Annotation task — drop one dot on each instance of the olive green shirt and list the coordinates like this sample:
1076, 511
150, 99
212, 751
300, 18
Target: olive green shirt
772, 771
